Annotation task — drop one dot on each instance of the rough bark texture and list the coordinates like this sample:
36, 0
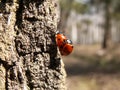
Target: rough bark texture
29, 59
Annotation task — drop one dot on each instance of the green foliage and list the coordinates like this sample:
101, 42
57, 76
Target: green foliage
116, 9
69, 5
88, 22
79, 7
65, 4
66, 7
114, 6
115, 16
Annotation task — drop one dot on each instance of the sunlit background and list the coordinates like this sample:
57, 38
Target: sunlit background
94, 28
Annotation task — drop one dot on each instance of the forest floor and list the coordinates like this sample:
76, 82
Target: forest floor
91, 68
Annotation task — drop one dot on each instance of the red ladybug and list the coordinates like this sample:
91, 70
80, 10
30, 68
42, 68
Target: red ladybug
60, 40
65, 45
67, 48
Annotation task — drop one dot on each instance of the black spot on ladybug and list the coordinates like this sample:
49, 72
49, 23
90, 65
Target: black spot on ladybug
64, 41
59, 39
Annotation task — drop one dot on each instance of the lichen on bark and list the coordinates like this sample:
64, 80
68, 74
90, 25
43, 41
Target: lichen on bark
28, 51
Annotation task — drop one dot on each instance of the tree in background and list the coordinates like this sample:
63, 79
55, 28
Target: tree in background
66, 7
107, 32
107, 41
112, 10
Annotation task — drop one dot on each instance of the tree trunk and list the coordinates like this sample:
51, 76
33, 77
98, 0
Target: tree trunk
107, 41
29, 58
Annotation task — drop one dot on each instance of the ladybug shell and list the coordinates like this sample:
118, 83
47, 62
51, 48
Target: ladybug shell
67, 49
60, 40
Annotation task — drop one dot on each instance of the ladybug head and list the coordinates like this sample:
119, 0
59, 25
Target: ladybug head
69, 41
58, 32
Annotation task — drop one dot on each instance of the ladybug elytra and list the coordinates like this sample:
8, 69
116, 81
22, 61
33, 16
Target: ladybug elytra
60, 39
67, 49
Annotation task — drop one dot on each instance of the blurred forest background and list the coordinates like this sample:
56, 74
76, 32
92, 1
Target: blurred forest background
94, 28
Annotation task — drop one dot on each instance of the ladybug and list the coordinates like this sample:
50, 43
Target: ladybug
65, 45
67, 48
60, 39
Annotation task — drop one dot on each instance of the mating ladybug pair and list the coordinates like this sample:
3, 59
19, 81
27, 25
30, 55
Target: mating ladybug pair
65, 45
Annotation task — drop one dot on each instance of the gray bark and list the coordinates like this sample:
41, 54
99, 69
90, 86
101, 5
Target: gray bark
29, 58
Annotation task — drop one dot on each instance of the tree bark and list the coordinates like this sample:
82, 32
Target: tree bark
29, 58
